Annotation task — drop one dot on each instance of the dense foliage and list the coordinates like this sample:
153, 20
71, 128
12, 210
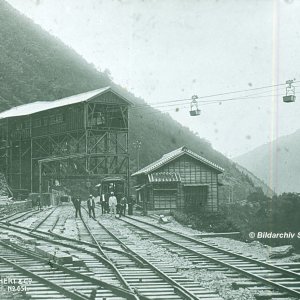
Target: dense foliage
36, 66
278, 214
258, 213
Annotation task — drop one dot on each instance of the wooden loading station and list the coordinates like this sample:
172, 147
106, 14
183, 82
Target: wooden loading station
77, 141
180, 179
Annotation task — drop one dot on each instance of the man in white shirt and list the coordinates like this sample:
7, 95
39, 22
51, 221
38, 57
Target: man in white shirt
112, 202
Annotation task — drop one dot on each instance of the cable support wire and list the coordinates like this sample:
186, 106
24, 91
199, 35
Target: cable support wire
179, 107
225, 93
216, 101
155, 107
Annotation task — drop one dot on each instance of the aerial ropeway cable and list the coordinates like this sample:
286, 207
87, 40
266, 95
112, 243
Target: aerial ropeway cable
195, 101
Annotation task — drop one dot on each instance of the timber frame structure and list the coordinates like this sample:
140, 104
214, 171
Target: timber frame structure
82, 137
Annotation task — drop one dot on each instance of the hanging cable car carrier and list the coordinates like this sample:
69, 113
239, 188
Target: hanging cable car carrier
195, 111
290, 92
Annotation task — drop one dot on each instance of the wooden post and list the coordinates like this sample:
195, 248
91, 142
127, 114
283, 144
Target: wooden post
40, 182
31, 162
20, 165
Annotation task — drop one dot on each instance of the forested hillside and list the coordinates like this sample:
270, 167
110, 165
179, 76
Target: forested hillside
36, 66
285, 159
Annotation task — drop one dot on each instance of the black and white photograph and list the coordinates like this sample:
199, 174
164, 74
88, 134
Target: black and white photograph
150, 149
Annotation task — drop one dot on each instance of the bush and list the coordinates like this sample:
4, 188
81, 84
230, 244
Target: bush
258, 214
205, 221
262, 214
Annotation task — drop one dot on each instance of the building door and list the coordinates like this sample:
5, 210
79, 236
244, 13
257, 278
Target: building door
195, 197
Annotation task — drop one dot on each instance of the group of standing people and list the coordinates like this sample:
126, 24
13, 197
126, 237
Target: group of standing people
110, 203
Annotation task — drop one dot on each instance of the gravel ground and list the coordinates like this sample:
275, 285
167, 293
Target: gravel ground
212, 280
33, 219
254, 249
5, 295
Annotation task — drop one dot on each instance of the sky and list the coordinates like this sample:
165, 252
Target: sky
165, 50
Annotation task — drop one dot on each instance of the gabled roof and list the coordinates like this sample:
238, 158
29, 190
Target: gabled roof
34, 107
173, 155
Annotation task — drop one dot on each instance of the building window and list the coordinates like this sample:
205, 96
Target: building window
37, 123
52, 120
56, 119
19, 126
100, 118
97, 118
27, 124
45, 121
59, 118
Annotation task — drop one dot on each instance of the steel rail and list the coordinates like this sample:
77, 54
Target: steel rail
55, 223
32, 212
104, 255
116, 290
61, 237
217, 261
93, 237
180, 289
43, 220
48, 283
12, 215
278, 269
78, 248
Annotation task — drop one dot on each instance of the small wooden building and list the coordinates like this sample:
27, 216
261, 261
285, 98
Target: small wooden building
180, 179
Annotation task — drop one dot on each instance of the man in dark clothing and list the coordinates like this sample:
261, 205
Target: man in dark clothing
122, 206
91, 206
107, 203
78, 207
38, 202
130, 205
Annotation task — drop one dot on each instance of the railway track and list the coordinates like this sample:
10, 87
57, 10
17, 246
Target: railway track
268, 281
71, 281
32, 218
154, 279
19, 216
144, 280
85, 265
279, 282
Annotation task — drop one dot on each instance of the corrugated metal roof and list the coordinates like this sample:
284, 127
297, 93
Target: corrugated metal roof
164, 177
34, 107
175, 154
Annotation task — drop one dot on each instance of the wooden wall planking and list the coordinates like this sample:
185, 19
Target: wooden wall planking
194, 172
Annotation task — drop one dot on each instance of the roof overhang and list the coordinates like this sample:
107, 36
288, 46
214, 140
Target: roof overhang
39, 106
167, 158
